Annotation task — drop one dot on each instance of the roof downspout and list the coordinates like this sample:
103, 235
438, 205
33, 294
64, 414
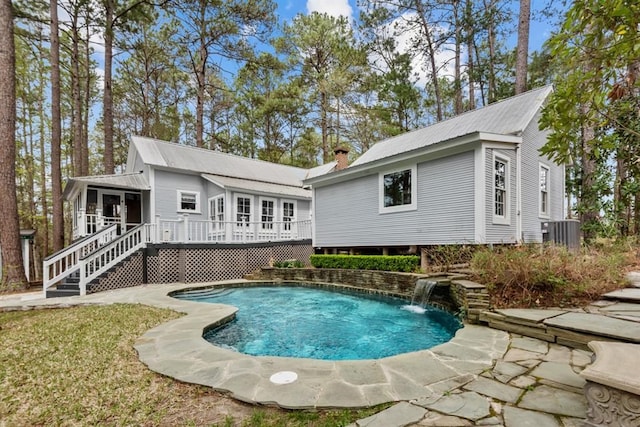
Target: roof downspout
519, 236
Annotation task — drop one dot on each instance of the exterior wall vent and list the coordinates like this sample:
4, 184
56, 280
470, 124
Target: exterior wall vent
566, 232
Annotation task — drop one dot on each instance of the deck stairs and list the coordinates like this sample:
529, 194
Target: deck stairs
75, 269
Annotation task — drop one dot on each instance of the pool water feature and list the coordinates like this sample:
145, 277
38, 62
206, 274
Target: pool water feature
316, 323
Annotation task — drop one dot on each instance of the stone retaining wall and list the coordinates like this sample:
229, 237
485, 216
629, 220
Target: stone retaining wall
452, 293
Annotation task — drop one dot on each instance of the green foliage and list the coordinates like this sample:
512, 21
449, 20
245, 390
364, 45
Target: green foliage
289, 263
549, 276
596, 56
404, 263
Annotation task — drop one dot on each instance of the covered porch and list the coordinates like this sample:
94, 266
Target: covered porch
105, 200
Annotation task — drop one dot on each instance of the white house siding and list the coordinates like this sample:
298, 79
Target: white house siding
347, 214
167, 185
494, 232
532, 140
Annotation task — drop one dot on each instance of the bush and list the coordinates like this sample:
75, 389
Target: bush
548, 276
404, 263
289, 263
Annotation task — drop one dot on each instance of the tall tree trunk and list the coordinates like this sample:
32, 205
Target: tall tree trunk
470, 50
107, 108
12, 269
523, 46
56, 132
457, 80
431, 50
588, 196
201, 77
491, 40
87, 101
76, 118
44, 225
324, 128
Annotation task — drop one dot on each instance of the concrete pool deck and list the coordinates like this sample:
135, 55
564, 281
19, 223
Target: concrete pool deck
483, 376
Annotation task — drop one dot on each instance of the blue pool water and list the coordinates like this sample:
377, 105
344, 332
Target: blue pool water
309, 322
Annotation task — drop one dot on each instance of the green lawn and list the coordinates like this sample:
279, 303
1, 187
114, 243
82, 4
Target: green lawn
77, 366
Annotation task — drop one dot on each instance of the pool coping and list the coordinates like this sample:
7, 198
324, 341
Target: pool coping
178, 350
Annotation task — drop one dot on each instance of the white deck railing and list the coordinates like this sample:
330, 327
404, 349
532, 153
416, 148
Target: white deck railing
99, 261
63, 263
95, 254
186, 230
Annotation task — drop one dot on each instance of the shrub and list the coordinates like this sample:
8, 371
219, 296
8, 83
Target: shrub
545, 276
289, 263
404, 263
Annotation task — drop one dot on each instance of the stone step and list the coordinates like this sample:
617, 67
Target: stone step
627, 294
596, 325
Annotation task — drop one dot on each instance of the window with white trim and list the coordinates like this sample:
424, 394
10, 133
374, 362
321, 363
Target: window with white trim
267, 213
216, 208
398, 190
500, 190
243, 210
188, 201
288, 214
544, 191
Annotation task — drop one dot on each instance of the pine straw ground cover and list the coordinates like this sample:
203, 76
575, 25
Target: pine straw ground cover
551, 276
77, 366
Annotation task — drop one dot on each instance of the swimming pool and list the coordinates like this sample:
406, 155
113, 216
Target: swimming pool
311, 322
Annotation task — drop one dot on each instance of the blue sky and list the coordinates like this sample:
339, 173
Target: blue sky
287, 9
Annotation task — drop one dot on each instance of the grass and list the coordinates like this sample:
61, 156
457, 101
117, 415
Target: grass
551, 276
77, 366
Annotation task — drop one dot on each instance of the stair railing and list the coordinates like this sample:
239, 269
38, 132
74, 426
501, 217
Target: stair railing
99, 261
62, 263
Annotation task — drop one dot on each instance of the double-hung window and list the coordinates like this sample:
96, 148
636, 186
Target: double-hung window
398, 190
216, 209
544, 191
288, 214
500, 190
243, 210
188, 201
267, 213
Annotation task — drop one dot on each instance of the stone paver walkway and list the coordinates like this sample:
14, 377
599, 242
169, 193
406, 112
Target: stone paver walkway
483, 376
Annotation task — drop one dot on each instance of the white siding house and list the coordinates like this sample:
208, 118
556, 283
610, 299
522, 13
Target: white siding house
477, 178
187, 194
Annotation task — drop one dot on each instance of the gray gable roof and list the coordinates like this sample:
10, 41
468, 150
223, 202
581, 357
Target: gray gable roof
507, 117
202, 161
258, 186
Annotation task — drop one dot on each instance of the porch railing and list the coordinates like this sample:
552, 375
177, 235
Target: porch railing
99, 261
95, 254
62, 263
186, 230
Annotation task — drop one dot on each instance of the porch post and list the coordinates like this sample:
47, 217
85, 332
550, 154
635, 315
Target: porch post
81, 223
185, 224
99, 220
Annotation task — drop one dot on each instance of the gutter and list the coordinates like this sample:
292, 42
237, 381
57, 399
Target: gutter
358, 170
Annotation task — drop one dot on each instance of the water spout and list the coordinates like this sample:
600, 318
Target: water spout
421, 295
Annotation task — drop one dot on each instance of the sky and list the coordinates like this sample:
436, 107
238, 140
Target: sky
287, 9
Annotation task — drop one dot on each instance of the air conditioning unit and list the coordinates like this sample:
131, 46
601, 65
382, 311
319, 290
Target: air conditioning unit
566, 232
166, 235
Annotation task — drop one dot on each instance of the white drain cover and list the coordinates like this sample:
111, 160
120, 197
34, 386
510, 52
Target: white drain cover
283, 377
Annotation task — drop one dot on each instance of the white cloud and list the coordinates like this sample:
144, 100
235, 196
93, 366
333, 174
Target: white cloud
331, 7
403, 37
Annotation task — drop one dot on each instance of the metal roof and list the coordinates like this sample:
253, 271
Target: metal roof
127, 181
321, 170
258, 186
188, 158
508, 117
